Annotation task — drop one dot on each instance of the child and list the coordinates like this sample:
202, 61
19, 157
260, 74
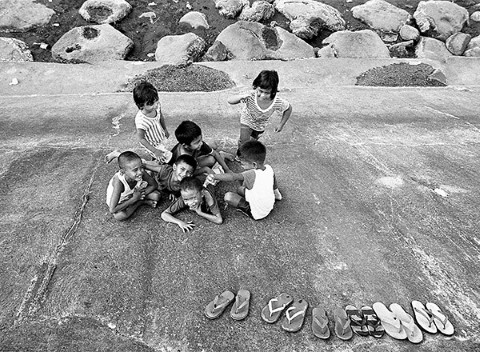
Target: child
169, 177
258, 191
198, 199
190, 141
260, 106
150, 123
130, 187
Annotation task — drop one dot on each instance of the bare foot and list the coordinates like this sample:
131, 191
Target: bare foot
152, 203
111, 156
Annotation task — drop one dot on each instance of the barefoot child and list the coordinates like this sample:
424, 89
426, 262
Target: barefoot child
260, 106
130, 187
198, 199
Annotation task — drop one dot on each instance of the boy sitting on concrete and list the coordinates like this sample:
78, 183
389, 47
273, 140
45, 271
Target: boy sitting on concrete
258, 192
130, 187
198, 199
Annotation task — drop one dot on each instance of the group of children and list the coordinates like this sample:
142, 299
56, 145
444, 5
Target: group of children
190, 170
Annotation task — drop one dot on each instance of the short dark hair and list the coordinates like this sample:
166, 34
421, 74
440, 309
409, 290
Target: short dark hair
253, 151
144, 93
187, 159
187, 131
267, 79
126, 157
189, 183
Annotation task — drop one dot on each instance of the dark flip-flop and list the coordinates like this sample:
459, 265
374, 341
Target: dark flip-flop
357, 320
272, 311
295, 316
216, 307
241, 305
320, 323
374, 325
342, 324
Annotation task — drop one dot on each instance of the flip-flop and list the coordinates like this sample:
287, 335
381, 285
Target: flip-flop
390, 322
440, 319
374, 325
320, 323
424, 317
216, 307
414, 334
358, 323
272, 311
342, 325
295, 316
241, 305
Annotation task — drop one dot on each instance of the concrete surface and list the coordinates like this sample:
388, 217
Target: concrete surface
381, 198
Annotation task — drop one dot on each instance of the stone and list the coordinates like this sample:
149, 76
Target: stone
433, 49
230, 8
92, 44
388, 37
217, 52
22, 15
254, 41
408, 32
104, 11
475, 16
360, 44
308, 17
400, 50
258, 11
457, 43
381, 16
195, 20
438, 76
473, 47
14, 50
440, 19
180, 50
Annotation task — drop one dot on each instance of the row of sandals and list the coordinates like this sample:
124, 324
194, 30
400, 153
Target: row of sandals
367, 321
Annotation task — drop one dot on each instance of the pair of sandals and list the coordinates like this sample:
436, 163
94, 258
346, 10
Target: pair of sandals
431, 318
398, 323
239, 311
294, 315
363, 322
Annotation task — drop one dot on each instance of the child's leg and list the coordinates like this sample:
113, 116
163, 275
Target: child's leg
236, 199
245, 134
127, 212
112, 155
153, 198
206, 160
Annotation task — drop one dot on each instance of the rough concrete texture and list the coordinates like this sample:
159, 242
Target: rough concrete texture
380, 203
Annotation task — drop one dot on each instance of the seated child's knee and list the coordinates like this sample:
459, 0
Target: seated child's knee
206, 161
120, 216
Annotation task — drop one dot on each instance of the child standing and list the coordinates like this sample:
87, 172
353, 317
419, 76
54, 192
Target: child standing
258, 192
130, 187
198, 199
152, 132
260, 106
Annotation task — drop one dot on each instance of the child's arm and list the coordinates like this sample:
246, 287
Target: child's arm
215, 215
215, 218
152, 184
162, 123
224, 177
283, 121
141, 139
167, 215
118, 188
220, 160
235, 99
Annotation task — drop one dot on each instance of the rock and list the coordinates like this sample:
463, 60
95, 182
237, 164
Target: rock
475, 16
473, 48
440, 19
438, 76
104, 11
14, 50
433, 49
381, 16
308, 17
217, 52
260, 10
254, 41
230, 8
359, 44
180, 50
388, 37
22, 15
92, 44
409, 33
400, 50
457, 43
195, 20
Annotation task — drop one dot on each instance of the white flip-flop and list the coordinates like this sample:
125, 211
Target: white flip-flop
423, 317
440, 319
414, 334
390, 322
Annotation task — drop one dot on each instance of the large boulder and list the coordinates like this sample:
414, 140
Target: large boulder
457, 43
92, 44
360, 44
254, 41
382, 16
473, 47
440, 19
104, 11
22, 15
180, 50
308, 17
230, 8
433, 49
14, 50
195, 20
258, 11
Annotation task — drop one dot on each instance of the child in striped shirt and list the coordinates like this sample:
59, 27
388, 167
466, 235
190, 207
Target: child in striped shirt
150, 123
259, 106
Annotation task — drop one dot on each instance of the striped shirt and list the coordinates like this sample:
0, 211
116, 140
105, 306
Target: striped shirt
154, 133
257, 118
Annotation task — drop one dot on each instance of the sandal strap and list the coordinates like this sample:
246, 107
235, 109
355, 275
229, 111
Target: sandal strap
344, 326
240, 306
271, 309
216, 304
443, 321
291, 317
425, 313
322, 323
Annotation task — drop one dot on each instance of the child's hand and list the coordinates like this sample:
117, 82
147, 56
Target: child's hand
210, 180
138, 195
160, 155
171, 197
167, 134
186, 226
278, 128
